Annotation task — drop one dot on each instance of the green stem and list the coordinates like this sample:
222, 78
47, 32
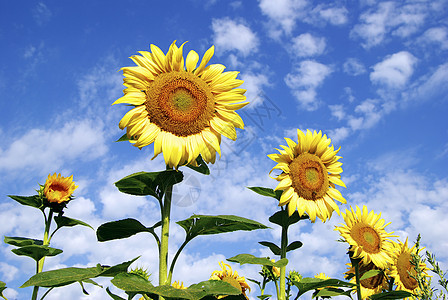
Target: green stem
358, 285
46, 241
284, 245
163, 254
170, 274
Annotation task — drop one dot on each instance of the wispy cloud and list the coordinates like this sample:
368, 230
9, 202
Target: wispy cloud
234, 35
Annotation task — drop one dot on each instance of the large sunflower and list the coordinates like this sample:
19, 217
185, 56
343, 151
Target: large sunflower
402, 269
59, 189
179, 106
227, 275
369, 286
368, 240
310, 172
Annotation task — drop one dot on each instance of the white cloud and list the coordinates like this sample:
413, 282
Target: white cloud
8, 271
436, 35
390, 18
368, 114
334, 15
395, 70
306, 45
254, 84
304, 80
339, 134
230, 35
45, 150
337, 111
41, 13
354, 67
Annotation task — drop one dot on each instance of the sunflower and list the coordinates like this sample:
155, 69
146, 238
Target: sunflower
227, 275
402, 269
59, 189
179, 106
310, 172
369, 286
178, 285
368, 240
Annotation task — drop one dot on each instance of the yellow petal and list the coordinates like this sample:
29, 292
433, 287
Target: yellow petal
137, 98
192, 60
207, 56
223, 128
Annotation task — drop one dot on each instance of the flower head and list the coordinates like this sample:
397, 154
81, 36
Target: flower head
368, 240
227, 275
369, 286
402, 270
178, 285
179, 106
310, 172
59, 189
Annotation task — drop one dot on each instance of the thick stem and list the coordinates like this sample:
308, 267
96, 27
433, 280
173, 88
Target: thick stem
358, 285
46, 241
284, 245
163, 254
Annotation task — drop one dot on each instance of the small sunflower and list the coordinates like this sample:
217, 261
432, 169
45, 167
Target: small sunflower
402, 266
227, 275
310, 172
178, 285
179, 106
59, 189
369, 286
368, 240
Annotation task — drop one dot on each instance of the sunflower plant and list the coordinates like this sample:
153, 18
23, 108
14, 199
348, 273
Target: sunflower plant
51, 199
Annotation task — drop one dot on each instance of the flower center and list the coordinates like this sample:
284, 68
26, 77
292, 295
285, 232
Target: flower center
232, 281
180, 103
367, 237
309, 176
403, 266
374, 281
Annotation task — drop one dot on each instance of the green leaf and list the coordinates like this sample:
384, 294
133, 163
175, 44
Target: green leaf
66, 276
113, 296
33, 201
274, 248
123, 138
121, 229
2, 288
331, 292
268, 192
294, 245
308, 284
149, 184
202, 166
253, 260
262, 297
283, 219
370, 273
134, 283
36, 252
62, 221
204, 225
21, 241
392, 295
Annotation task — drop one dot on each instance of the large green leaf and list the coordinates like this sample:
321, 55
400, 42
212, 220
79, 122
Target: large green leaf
65, 276
36, 252
370, 273
21, 241
392, 295
268, 192
331, 292
204, 225
202, 166
62, 221
112, 295
253, 260
273, 247
123, 138
121, 229
283, 219
34, 201
294, 245
134, 283
149, 184
308, 284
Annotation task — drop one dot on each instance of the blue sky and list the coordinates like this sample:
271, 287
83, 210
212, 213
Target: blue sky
372, 75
